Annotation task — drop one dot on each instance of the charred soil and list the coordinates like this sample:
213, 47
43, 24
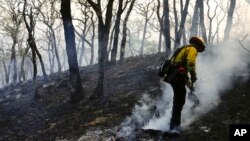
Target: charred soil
52, 117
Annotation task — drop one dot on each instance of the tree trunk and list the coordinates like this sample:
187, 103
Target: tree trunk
129, 43
92, 39
7, 73
202, 22
82, 47
182, 24
124, 32
75, 79
103, 37
160, 20
144, 36
195, 20
13, 61
175, 19
33, 52
55, 49
32, 44
3, 81
92, 45
40, 58
51, 56
116, 34
166, 31
211, 19
184, 39
22, 70
160, 41
229, 19
111, 41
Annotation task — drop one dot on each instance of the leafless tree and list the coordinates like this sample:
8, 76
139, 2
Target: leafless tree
121, 7
49, 17
211, 18
241, 43
229, 19
182, 24
202, 21
147, 12
5, 68
219, 20
23, 53
175, 17
160, 20
69, 33
124, 32
87, 26
28, 15
195, 20
198, 20
166, 27
104, 24
12, 28
177, 11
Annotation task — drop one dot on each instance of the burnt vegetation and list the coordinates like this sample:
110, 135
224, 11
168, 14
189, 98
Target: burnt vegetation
53, 117
75, 69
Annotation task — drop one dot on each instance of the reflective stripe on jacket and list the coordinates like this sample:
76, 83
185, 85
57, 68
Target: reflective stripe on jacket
187, 58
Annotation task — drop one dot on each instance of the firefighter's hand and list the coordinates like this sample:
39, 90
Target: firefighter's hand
191, 88
190, 85
193, 78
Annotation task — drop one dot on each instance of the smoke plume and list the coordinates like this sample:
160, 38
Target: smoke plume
216, 69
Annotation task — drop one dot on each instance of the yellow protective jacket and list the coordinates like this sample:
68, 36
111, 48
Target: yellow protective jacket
187, 58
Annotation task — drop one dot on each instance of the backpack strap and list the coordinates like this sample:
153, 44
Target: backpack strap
177, 51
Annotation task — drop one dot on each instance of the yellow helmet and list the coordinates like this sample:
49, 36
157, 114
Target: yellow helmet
198, 42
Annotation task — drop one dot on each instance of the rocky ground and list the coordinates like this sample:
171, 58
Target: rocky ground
53, 118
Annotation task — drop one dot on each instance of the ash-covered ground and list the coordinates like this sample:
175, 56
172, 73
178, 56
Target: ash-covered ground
52, 117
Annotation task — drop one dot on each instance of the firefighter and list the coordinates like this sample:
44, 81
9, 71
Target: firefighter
185, 64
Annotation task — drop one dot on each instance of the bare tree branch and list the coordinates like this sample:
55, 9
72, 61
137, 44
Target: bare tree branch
240, 42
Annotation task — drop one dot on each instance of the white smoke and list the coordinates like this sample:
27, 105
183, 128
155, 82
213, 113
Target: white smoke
216, 68
164, 105
141, 114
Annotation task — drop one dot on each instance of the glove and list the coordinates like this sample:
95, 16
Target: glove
191, 88
190, 85
193, 78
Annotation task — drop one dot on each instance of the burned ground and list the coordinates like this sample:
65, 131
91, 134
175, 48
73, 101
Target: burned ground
52, 117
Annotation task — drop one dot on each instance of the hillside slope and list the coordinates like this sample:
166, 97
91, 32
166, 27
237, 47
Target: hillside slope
53, 118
